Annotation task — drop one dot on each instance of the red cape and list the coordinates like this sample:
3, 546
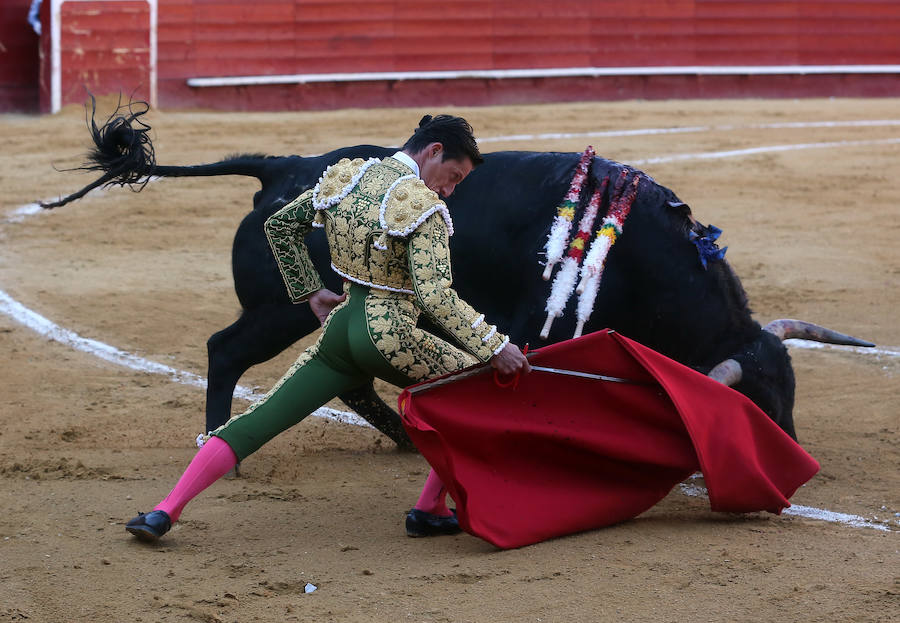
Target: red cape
561, 454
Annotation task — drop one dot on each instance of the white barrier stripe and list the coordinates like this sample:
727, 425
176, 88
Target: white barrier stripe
51, 330
549, 72
808, 512
793, 125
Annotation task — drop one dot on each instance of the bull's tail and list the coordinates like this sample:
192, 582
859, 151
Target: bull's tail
124, 152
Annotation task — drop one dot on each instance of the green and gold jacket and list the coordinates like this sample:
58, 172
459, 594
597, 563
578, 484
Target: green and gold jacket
390, 232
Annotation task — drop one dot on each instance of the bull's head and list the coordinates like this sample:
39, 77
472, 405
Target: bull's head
729, 372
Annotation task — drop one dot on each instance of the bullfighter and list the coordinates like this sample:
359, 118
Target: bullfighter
388, 231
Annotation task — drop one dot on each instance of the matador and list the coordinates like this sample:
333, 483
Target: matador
388, 231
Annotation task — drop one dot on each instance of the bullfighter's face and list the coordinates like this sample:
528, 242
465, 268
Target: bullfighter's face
441, 175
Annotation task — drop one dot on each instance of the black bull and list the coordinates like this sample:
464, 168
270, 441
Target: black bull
654, 288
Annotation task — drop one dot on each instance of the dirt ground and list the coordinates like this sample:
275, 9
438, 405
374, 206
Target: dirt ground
85, 444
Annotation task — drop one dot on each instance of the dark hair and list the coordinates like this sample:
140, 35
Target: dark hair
454, 133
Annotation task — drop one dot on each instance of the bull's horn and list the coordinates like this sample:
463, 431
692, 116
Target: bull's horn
727, 373
786, 328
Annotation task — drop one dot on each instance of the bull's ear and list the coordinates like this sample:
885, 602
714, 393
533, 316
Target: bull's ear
681, 208
681, 213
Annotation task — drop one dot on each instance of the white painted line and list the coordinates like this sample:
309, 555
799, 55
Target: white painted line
822, 514
19, 214
552, 136
792, 125
751, 151
862, 350
808, 512
52, 331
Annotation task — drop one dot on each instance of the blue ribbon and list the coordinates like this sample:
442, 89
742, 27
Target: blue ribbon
705, 241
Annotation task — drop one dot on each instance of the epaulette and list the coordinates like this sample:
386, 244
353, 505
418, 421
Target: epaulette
338, 180
406, 205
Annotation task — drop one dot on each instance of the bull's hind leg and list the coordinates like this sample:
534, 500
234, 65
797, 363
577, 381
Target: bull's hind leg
257, 336
368, 404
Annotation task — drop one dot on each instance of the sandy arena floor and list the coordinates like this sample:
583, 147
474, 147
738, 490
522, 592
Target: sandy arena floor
85, 444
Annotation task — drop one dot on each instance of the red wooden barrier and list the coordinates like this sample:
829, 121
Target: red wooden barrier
18, 58
336, 36
105, 45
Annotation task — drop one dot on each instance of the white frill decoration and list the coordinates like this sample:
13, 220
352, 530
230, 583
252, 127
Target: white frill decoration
563, 284
586, 304
595, 262
596, 257
556, 243
565, 214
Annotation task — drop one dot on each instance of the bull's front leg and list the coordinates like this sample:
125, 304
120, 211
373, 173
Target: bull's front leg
369, 405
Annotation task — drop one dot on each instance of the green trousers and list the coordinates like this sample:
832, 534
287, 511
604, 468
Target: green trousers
344, 358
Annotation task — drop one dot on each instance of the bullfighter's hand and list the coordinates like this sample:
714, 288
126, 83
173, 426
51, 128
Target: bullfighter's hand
321, 302
510, 361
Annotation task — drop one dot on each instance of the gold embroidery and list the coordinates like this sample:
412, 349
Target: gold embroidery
285, 230
432, 277
391, 320
353, 224
335, 181
407, 203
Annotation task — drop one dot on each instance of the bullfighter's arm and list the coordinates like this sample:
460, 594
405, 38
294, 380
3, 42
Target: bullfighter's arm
429, 263
285, 230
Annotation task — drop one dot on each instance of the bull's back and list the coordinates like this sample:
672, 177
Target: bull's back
653, 288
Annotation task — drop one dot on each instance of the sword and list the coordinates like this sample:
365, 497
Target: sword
588, 375
486, 368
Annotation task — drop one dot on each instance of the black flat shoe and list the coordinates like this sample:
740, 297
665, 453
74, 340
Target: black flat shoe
419, 524
150, 526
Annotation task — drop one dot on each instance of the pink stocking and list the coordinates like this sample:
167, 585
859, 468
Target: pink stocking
212, 462
432, 500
